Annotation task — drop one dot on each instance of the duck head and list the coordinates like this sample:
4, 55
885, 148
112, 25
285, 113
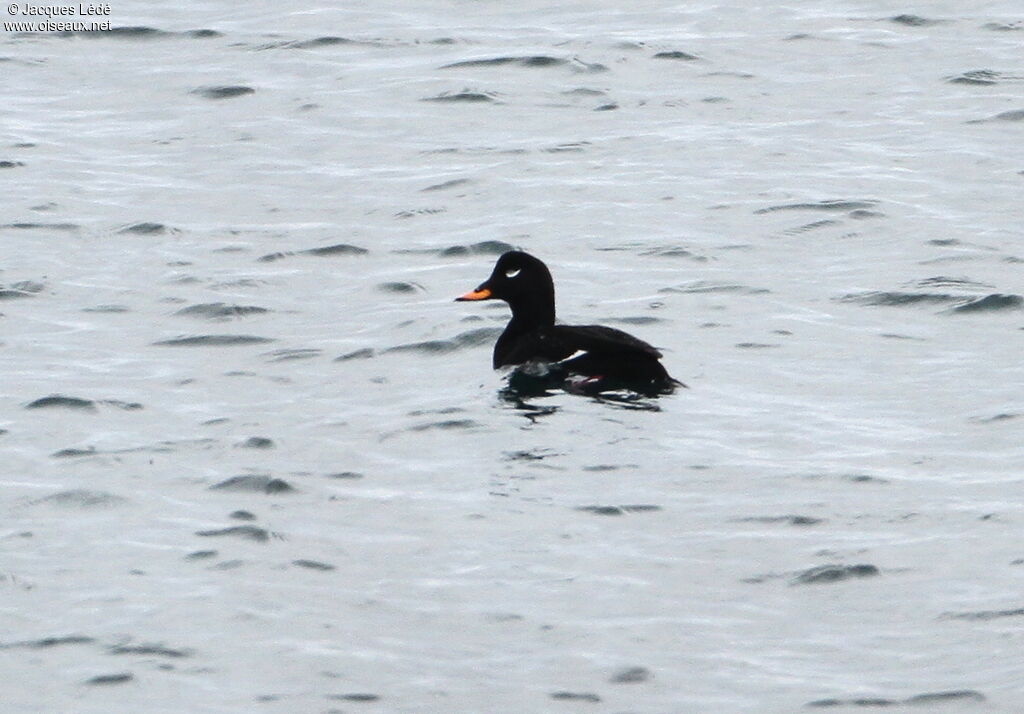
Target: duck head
524, 282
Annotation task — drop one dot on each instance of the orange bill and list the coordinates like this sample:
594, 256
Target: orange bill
478, 294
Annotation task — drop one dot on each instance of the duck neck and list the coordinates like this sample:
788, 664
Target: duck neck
532, 313
526, 318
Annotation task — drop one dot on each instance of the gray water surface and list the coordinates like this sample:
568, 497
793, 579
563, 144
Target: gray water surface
255, 458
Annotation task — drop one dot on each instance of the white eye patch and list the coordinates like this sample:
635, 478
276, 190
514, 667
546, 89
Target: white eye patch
513, 273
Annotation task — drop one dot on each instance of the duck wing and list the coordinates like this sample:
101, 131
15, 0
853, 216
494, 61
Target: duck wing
559, 342
598, 338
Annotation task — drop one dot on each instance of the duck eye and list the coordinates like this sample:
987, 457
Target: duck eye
513, 273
